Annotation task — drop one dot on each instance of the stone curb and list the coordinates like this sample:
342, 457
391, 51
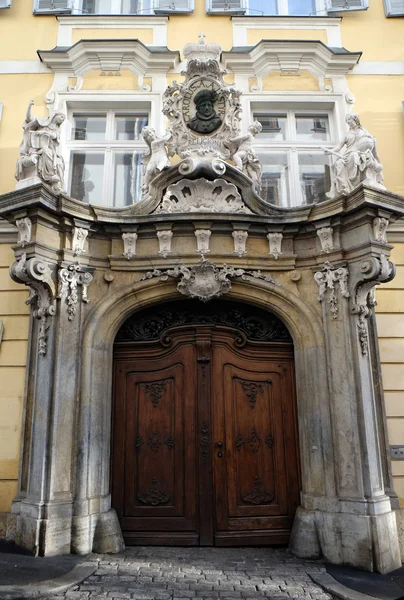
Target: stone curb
337, 590
49, 587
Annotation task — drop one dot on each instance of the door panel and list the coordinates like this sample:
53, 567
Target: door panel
254, 498
157, 484
204, 438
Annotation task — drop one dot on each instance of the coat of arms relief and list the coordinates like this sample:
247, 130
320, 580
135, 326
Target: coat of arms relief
204, 117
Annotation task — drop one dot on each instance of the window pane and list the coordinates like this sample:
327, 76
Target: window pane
89, 128
273, 127
312, 127
87, 176
129, 127
130, 7
314, 173
128, 178
97, 6
262, 7
301, 7
275, 186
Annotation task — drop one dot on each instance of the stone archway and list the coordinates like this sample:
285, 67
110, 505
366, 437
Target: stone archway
93, 455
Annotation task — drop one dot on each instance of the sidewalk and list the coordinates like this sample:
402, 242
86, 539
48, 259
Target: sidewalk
157, 573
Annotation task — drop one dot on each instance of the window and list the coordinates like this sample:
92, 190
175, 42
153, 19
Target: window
5, 3
295, 170
112, 7
105, 157
394, 8
285, 7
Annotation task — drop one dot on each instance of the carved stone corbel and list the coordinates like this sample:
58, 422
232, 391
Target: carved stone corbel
380, 225
79, 237
164, 237
325, 235
24, 227
129, 245
373, 271
240, 240
202, 240
70, 278
327, 280
275, 244
37, 275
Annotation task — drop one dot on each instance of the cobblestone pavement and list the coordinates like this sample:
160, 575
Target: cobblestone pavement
151, 573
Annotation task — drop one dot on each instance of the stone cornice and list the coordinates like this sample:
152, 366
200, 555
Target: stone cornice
295, 55
109, 55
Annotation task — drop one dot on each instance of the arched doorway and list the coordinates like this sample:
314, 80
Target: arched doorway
204, 445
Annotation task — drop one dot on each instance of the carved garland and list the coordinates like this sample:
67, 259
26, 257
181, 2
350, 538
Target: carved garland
70, 278
327, 280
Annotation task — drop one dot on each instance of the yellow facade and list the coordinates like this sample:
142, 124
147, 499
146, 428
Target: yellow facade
378, 100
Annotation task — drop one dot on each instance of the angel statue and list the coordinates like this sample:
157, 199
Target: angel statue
155, 159
244, 155
356, 160
39, 156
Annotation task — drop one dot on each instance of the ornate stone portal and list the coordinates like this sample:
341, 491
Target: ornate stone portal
108, 264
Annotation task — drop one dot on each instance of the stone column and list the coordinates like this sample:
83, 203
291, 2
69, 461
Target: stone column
359, 526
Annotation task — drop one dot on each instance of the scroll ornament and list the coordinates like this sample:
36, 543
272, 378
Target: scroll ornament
205, 280
70, 278
37, 275
327, 279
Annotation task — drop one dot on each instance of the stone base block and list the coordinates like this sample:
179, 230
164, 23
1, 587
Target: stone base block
43, 537
400, 528
108, 537
366, 542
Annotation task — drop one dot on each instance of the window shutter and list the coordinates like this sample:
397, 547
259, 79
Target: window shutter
394, 8
178, 6
227, 6
52, 6
345, 5
5, 3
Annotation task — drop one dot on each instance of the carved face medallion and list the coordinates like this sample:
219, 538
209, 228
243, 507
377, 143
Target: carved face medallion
203, 106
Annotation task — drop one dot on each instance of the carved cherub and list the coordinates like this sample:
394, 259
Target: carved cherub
244, 156
39, 154
156, 158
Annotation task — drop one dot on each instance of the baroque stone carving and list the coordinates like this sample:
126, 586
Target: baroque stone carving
372, 272
356, 160
205, 280
240, 240
258, 495
152, 324
24, 227
79, 238
202, 196
327, 280
326, 240
205, 120
380, 229
165, 237
129, 245
153, 496
253, 388
39, 151
202, 240
70, 278
244, 155
275, 244
37, 275
155, 159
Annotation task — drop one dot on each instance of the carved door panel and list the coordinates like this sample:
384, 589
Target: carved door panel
256, 478
154, 457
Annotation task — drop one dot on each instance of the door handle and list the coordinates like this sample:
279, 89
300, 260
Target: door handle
220, 444
220, 453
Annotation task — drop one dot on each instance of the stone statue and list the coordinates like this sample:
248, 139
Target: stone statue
39, 156
244, 155
205, 120
155, 159
356, 160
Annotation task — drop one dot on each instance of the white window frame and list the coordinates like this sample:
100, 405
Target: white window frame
153, 10
291, 146
5, 3
108, 147
283, 9
389, 11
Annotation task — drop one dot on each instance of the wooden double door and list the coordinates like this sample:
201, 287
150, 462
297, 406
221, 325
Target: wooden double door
204, 445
